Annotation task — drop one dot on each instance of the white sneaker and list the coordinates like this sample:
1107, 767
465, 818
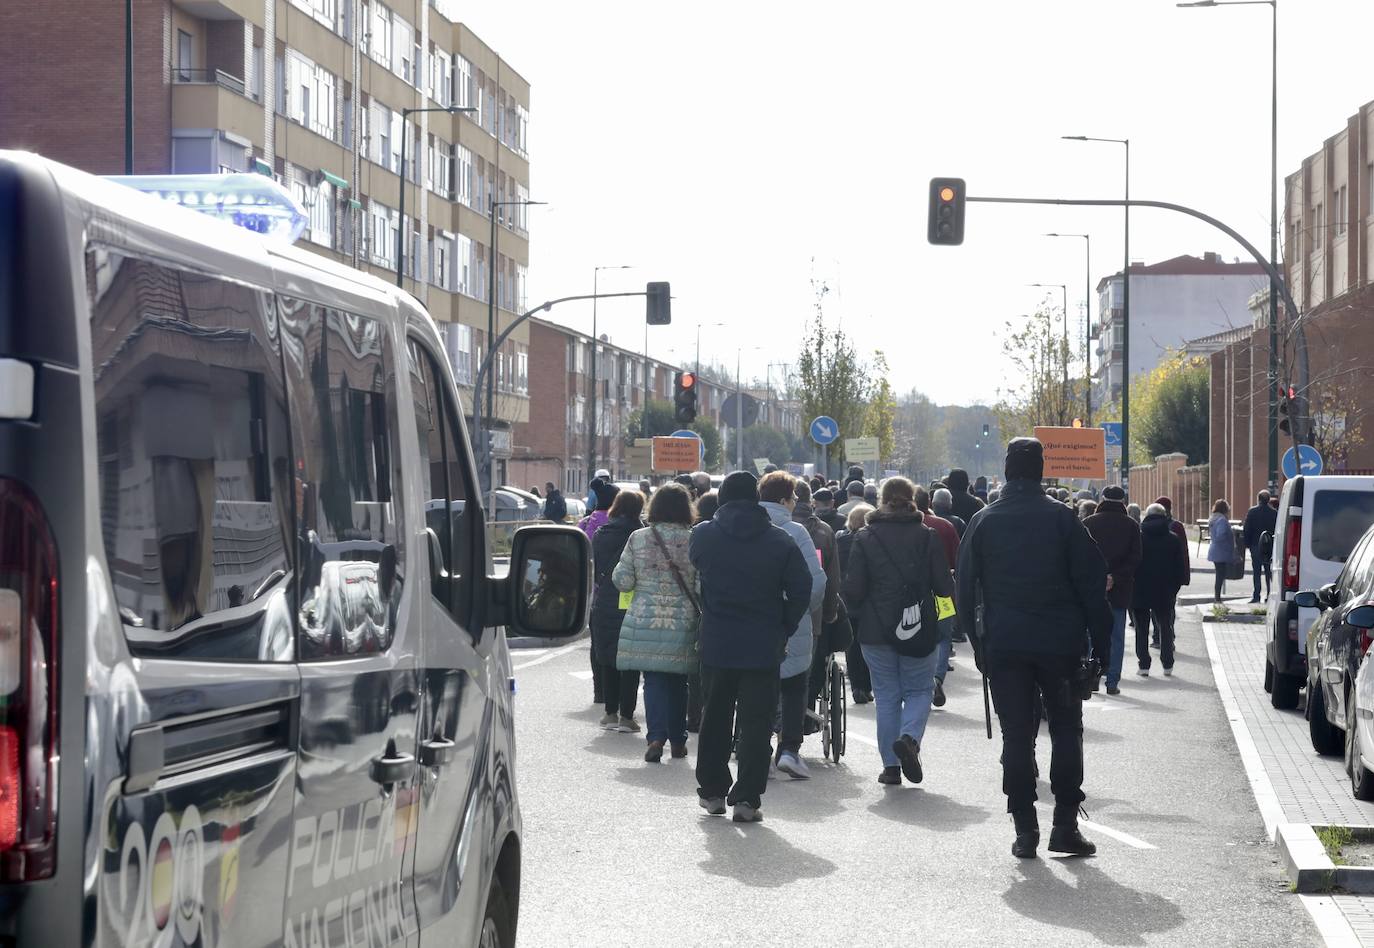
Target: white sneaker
1168, 673
1143, 672
792, 765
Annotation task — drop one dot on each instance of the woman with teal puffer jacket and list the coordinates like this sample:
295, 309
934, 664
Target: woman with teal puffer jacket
659, 633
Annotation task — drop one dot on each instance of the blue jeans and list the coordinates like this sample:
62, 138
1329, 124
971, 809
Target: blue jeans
946, 627
665, 707
902, 689
1118, 647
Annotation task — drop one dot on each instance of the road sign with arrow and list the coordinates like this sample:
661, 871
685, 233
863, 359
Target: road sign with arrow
1306, 460
824, 430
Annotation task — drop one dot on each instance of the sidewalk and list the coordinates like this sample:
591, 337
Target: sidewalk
1294, 784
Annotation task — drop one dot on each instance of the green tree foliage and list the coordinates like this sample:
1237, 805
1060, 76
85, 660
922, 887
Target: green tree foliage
832, 379
761, 441
882, 410
1170, 410
1038, 395
710, 436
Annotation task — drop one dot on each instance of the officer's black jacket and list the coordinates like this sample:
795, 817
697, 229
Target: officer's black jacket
1042, 579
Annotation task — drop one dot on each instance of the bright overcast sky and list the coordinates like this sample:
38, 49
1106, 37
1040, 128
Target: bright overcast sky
725, 146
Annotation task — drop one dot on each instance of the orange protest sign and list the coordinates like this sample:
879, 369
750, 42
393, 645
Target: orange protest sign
1074, 452
676, 454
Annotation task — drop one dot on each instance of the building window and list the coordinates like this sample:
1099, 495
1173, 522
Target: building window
310, 94
462, 264
458, 343
320, 203
462, 174
1339, 209
443, 260
184, 57
441, 168
379, 39
463, 93
382, 237
441, 78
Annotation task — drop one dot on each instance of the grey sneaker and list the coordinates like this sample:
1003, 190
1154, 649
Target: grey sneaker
744, 813
609, 721
792, 765
1143, 672
628, 726
715, 806
1168, 673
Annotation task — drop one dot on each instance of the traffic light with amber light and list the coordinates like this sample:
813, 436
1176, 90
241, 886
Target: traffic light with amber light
685, 397
946, 223
1285, 418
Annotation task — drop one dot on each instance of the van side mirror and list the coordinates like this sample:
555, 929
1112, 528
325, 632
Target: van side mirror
438, 575
1361, 617
1306, 599
548, 590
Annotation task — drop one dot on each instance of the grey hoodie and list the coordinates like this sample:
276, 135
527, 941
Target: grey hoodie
798, 656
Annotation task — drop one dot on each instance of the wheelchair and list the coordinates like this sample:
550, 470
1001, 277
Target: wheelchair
829, 716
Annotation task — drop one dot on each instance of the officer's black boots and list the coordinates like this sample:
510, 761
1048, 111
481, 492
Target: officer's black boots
1027, 833
1066, 837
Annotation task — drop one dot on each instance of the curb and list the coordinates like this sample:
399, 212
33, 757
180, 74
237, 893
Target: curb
1310, 869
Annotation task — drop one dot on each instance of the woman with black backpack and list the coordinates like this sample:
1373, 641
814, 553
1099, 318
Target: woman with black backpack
896, 569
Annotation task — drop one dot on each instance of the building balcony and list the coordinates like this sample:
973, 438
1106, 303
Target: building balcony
212, 98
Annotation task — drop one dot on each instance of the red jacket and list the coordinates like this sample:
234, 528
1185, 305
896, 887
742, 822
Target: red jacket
948, 536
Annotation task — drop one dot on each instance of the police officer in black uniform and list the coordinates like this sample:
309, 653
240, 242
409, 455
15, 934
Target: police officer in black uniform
1043, 587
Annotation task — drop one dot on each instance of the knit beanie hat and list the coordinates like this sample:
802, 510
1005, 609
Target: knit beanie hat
605, 494
1025, 460
739, 485
1114, 493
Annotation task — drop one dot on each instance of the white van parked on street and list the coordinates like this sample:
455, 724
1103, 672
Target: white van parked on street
1321, 518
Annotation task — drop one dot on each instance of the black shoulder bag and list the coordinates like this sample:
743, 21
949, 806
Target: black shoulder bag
914, 633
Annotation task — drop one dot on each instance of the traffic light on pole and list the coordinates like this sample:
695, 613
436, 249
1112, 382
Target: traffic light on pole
685, 397
1285, 420
946, 220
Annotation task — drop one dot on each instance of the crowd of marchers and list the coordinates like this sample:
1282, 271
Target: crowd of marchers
727, 604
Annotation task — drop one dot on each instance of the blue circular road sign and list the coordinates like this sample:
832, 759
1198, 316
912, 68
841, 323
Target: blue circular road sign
824, 430
1307, 460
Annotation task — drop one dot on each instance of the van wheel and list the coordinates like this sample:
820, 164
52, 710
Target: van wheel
1268, 676
1284, 692
496, 927
1361, 780
1327, 739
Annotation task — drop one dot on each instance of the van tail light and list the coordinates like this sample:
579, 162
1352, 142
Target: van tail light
1365, 639
28, 687
1292, 554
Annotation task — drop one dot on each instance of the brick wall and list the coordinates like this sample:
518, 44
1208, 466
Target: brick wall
1340, 341
62, 72
226, 47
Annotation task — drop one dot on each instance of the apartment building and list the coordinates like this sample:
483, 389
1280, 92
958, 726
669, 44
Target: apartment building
552, 444
1172, 302
313, 93
1328, 259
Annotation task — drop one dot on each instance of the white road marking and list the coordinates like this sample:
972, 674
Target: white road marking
1117, 835
585, 674
550, 656
861, 738
1260, 785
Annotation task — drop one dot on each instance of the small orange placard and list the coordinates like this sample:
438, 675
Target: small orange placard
1079, 453
672, 455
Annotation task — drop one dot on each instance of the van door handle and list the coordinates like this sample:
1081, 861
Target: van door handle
436, 752
391, 767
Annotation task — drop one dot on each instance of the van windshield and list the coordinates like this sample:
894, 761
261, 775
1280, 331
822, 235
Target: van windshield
1339, 519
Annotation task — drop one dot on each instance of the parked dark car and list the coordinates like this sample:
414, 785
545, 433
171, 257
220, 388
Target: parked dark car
1340, 691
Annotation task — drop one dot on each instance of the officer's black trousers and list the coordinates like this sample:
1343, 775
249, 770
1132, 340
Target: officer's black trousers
1015, 679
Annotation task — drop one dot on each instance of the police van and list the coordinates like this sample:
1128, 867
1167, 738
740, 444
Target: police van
249, 693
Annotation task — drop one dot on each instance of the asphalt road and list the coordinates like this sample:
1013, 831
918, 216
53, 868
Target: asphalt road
618, 853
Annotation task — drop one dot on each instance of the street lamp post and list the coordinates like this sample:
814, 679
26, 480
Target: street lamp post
1064, 292
491, 328
1087, 326
593, 429
401, 224
1273, 221
1125, 314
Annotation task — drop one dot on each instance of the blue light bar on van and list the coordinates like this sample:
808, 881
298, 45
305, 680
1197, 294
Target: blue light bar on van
251, 201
